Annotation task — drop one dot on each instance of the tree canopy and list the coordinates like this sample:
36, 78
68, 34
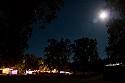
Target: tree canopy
57, 53
85, 51
16, 19
116, 30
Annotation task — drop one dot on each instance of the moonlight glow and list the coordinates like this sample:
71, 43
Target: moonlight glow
104, 15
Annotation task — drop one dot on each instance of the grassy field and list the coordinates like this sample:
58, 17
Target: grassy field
52, 79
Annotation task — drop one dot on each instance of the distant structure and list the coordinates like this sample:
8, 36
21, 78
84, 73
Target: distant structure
114, 71
116, 64
8, 71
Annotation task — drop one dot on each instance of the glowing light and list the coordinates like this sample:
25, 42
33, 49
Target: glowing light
104, 14
113, 64
29, 72
62, 71
14, 71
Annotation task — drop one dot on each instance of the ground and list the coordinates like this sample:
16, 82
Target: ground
41, 79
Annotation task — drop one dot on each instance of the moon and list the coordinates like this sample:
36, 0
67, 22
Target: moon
104, 15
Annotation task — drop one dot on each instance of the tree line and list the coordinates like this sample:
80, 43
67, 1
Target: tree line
83, 51
59, 54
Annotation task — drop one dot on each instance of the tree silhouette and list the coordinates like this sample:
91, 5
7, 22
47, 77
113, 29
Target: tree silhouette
31, 62
85, 51
57, 53
116, 38
16, 19
116, 30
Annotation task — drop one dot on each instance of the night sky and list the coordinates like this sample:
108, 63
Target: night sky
77, 19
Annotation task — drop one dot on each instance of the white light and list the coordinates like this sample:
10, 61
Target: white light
62, 71
104, 14
29, 72
113, 64
14, 71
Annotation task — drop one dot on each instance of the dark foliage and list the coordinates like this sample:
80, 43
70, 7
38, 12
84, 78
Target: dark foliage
85, 52
31, 62
16, 18
116, 30
57, 53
